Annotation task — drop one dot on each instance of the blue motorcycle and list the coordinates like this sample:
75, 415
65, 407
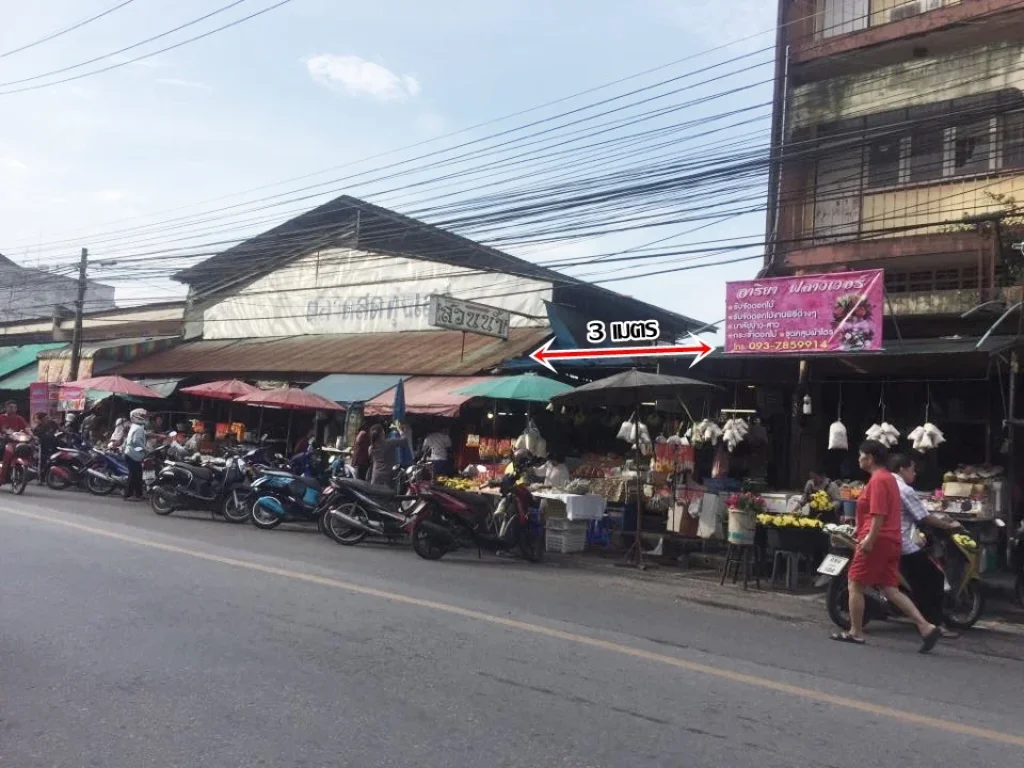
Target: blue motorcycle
106, 471
280, 497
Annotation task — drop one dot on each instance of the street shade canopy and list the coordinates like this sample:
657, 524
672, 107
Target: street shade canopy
115, 385
229, 389
629, 388
528, 388
290, 399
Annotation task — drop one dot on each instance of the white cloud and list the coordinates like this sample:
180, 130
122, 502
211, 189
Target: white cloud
108, 195
359, 77
12, 164
178, 83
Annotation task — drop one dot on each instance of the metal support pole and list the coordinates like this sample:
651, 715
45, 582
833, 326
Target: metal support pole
1011, 470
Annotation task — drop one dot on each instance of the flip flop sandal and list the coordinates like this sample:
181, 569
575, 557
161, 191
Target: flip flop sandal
846, 637
928, 641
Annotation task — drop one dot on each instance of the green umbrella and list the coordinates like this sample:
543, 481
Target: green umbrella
528, 387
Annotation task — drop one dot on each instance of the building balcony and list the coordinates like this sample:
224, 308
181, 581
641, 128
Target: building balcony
825, 32
932, 303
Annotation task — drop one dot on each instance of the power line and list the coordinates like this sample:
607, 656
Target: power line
65, 30
142, 57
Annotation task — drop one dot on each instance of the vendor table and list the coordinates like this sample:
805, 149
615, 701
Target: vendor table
578, 506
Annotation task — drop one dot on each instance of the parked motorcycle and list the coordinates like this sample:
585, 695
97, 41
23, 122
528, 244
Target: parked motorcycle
279, 496
108, 470
220, 487
67, 465
25, 463
355, 509
445, 520
964, 595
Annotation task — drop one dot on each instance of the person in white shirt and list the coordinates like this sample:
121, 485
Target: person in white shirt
134, 453
437, 447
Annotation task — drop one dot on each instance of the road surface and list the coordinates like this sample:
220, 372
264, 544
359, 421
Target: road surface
130, 640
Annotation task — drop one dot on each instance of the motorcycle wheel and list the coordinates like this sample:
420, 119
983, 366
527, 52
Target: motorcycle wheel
234, 509
19, 479
339, 531
264, 520
97, 486
56, 482
424, 545
161, 504
963, 611
837, 600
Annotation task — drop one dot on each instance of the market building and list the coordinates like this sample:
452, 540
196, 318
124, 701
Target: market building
341, 297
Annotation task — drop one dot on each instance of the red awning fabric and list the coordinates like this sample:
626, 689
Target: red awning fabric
431, 395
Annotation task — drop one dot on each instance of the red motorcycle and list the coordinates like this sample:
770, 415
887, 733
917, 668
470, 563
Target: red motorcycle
444, 520
24, 464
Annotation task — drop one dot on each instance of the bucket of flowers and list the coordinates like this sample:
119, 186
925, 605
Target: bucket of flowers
821, 504
792, 533
743, 511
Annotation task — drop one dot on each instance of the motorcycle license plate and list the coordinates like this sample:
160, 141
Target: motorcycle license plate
149, 475
833, 565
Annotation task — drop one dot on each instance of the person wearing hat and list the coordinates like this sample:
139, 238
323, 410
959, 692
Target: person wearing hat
134, 453
10, 422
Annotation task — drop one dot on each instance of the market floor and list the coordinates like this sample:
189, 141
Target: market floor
132, 640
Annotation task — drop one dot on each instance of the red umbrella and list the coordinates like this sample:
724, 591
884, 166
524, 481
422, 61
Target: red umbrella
290, 399
115, 385
230, 389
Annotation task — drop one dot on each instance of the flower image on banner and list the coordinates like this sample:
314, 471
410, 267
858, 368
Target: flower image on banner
837, 312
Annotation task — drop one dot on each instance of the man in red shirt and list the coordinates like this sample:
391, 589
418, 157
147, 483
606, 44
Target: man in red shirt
10, 422
877, 560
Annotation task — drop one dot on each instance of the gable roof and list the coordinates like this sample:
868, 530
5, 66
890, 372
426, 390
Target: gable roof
348, 221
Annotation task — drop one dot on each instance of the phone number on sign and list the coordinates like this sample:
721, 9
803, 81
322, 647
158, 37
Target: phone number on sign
780, 346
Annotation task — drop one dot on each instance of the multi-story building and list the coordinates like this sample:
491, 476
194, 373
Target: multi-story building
900, 134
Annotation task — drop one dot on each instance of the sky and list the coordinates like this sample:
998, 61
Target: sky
318, 84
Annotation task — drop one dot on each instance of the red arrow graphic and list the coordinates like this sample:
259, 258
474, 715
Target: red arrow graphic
544, 354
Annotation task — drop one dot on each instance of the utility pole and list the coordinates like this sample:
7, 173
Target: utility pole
76, 337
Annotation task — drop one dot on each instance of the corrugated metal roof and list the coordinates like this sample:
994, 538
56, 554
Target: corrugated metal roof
94, 348
427, 353
434, 395
20, 380
15, 358
353, 387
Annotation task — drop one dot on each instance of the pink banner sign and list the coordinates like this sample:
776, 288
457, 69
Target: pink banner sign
838, 312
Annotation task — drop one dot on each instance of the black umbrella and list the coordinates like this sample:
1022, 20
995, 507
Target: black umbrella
630, 389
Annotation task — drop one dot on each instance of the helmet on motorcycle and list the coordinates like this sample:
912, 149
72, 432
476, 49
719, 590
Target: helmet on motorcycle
70, 419
138, 416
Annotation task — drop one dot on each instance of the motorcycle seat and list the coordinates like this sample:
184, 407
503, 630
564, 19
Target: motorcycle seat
368, 489
200, 473
473, 499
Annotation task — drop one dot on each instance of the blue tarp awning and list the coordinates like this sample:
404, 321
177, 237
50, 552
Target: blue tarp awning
353, 387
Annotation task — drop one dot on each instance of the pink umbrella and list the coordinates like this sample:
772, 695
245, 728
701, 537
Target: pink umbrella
115, 385
230, 389
290, 399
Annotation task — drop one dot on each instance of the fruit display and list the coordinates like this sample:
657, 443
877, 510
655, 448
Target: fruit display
850, 491
788, 521
821, 502
458, 483
965, 541
967, 473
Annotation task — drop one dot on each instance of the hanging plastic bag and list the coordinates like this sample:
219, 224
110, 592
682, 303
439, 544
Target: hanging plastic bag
838, 440
627, 431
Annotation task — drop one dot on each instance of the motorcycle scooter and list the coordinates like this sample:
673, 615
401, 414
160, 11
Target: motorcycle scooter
445, 520
217, 486
355, 509
964, 600
279, 496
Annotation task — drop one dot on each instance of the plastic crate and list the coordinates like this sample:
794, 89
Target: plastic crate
565, 542
562, 524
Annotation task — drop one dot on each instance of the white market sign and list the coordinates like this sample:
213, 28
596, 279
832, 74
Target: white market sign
456, 315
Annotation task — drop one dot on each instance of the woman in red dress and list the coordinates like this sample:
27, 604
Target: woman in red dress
877, 560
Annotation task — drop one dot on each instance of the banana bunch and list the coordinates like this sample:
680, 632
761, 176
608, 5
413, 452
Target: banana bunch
457, 483
788, 521
821, 501
965, 541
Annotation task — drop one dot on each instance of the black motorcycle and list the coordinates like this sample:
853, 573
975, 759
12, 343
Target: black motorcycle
221, 488
355, 509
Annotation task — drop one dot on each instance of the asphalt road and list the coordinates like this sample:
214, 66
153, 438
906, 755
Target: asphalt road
130, 640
